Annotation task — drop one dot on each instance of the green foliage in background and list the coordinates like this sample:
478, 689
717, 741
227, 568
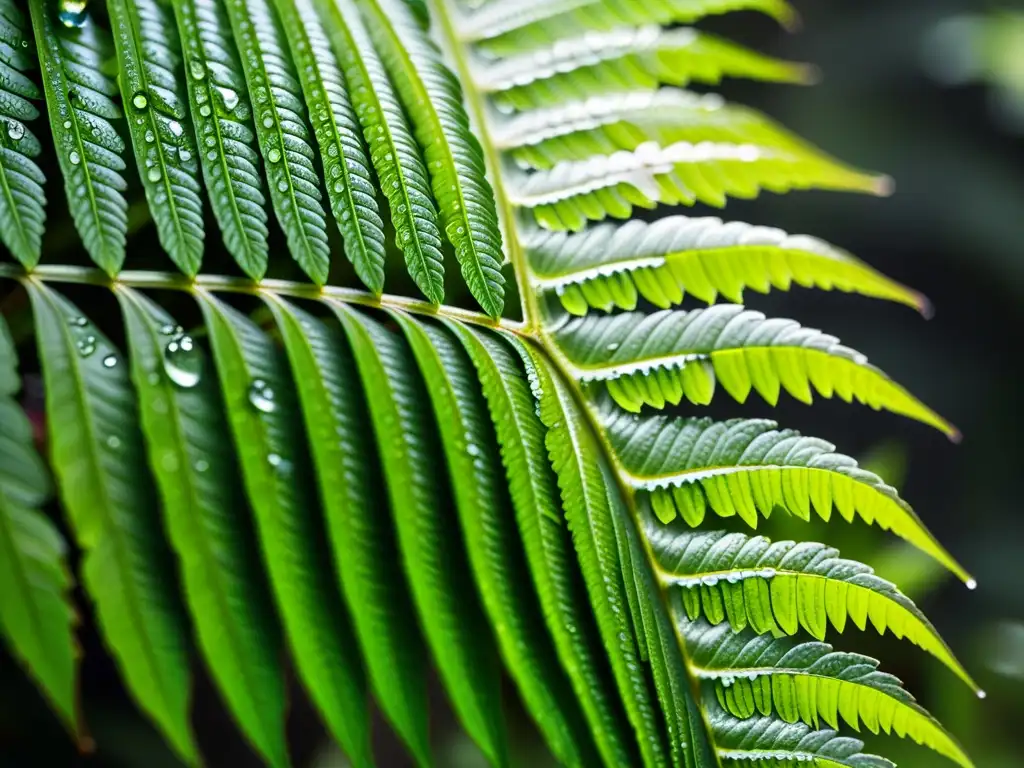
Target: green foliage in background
373, 482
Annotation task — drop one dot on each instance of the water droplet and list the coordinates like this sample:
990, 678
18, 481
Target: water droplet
197, 69
150, 137
283, 466
86, 346
175, 128
140, 100
182, 362
262, 396
274, 155
15, 130
184, 155
109, 361
75, 158
282, 185
205, 110
73, 13
230, 98
80, 321
268, 120
201, 465
154, 174
67, 125
114, 442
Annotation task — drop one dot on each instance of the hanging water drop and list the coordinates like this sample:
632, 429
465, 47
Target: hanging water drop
73, 13
182, 362
262, 396
15, 130
175, 128
229, 97
140, 100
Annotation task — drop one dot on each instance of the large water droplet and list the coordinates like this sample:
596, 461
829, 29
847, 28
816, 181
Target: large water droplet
75, 158
154, 174
175, 128
197, 69
140, 100
274, 155
73, 13
262, 396
182, 362
15, 130
230, 98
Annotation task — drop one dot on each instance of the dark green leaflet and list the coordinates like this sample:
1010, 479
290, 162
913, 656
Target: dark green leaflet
275, 468
79, 99
36, 615
350, 188
283, 133
546, 540
149, 59
97, 456
221, 112
22, 200
207, 521
393, 150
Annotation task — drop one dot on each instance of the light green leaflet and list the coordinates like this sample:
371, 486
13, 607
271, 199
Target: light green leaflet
455, 161
613, 265
748, 468
207, 523
221, 113
597, 65
658, 359
546, 540
79, 99
810, 682
352, 493
150, 76
36, 615
393, 150
97, 456
784, 586
22, 200
283, 133
275, 470
350, 187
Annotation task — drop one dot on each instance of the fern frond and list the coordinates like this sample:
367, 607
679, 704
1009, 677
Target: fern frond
346, 167
283, 133
191, 460
784, 586
613, 265
220, 110
36, 614
661, 357
393, 150
160, 126
22, 199
623, 59
97, 456
749, 467
455, 162
810, 682
269, 444
79, 99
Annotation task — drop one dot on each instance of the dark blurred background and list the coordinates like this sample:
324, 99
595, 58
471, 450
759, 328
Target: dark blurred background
931, 92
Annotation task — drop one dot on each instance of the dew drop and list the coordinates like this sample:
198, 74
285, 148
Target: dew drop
175, 128
282, 185
75, 158
205, 110
109, 361
197, 69
184, 155
182, 362
140, 100
154, 174
80, 321
274, 155
268, 120
114, 442
15, 130
86, 346
73, 13
201, 465
67, 125
261, 396
229, 97
150, 137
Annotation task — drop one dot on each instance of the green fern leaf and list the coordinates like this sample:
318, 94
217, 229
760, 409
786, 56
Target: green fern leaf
599, 64
342, 154
610, 265
22, 200
769, 743
455, 162
351, 491
188, 451
36, 615
811, 683
79, 98
590, 511
549, 554
97, 457
220, 109
572, 193
660, 358
283, 133
268, 441
504, 28
748, 467
782, 586
393, 150
160, 126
